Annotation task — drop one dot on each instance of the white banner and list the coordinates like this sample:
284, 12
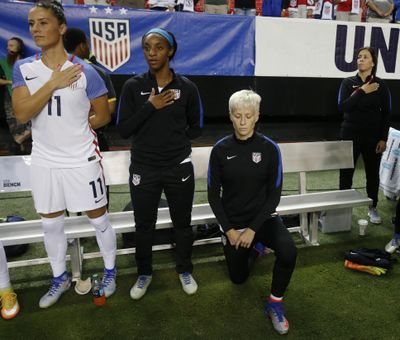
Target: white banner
15, 170
319, 48
14, 173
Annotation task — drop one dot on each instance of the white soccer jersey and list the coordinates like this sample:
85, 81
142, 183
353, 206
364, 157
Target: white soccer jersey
61, 133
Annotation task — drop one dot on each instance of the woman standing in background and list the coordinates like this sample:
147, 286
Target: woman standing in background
365, 102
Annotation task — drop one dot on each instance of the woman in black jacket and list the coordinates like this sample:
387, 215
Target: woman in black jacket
244, 189
365, 102
161, 111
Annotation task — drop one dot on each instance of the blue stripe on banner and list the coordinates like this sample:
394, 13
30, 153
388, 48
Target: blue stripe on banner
224, 48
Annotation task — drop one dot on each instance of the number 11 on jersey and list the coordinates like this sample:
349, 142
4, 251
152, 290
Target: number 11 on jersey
57, 100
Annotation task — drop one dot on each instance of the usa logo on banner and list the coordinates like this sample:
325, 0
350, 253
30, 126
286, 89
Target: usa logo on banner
110, 42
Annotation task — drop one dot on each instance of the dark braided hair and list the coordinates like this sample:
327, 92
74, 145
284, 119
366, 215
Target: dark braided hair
55, 7
73, 37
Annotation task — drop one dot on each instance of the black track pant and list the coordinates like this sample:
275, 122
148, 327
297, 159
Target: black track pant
397, 218
146, 185
274, 235
371, 164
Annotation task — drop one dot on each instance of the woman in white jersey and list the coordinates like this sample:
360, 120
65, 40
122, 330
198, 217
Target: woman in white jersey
56, 91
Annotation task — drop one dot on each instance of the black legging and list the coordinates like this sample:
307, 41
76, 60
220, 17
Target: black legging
274, 235
371, 164
146, 186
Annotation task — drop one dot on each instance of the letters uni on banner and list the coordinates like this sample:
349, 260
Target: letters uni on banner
330, 54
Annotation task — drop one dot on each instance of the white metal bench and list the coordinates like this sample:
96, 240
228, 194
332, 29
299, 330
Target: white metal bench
296, 157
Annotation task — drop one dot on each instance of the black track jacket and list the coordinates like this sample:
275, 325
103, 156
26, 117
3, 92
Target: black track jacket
250, 175
161, 138
365, 116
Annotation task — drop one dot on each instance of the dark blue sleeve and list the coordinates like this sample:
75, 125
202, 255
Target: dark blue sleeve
95, 86
214, 190
194, 112
348, 97
18, 79
273, 187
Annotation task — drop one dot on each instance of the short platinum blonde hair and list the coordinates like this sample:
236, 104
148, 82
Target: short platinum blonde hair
244, 98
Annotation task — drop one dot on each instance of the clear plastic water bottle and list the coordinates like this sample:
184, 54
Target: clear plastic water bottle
99, 298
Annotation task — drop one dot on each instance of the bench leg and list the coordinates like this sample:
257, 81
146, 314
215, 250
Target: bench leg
76, 258
310, 232
313, 238
304, 224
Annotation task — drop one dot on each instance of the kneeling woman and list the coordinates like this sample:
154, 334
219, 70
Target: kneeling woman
247, 167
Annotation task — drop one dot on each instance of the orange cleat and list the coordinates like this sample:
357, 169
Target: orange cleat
9, 304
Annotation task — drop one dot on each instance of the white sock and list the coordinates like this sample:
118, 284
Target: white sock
106, 239
4, 276
55, 243
276, 298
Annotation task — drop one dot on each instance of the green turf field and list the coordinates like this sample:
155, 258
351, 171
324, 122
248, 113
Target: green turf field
324, 300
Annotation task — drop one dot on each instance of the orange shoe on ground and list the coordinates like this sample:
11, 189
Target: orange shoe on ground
9, 303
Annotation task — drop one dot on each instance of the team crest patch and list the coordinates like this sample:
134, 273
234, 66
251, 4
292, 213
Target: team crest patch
256, 157
135, 179
110, 42
223, 240
177, 93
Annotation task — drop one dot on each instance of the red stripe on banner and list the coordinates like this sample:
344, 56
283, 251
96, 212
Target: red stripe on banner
106, 54
116, 53
94, 47
112, 56
95, 51
126, 48
101, 51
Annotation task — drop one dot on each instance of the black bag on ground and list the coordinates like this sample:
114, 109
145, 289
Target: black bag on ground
205, 231
166, 236
290, 221
369, 257
163, 236
17, 249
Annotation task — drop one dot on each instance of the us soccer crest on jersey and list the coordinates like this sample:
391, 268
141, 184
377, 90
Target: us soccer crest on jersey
135, 179
256, 156
177, 93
